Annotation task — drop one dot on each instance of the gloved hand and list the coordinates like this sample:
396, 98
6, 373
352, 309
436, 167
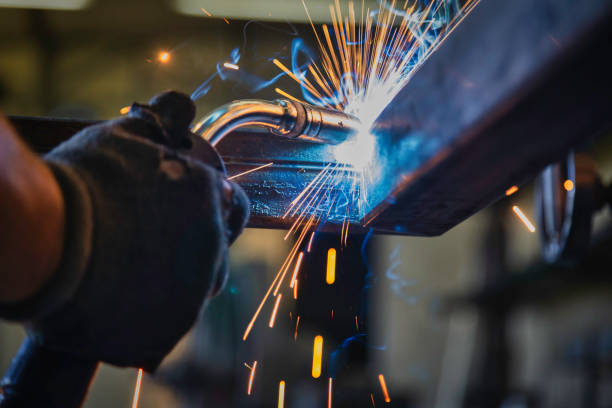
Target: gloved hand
147, 234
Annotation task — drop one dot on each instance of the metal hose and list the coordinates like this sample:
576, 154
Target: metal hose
283, 117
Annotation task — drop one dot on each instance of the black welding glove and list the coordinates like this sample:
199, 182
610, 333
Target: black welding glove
147, 235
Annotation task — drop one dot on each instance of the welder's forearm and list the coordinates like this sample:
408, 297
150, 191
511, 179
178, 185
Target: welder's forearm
31, 219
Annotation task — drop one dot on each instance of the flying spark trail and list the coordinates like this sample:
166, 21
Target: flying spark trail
317, 355
137, 389
523, 218
365, 57
250, 171
297, 323
281, 394
287, 95
360, 73
310, 241
296, 270
372, 399
383, 386
329, 393
251, 377
273, 316
125, 110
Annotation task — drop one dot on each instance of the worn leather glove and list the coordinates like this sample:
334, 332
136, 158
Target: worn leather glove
147, 233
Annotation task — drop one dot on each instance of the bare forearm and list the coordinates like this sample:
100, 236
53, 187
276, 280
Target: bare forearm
31, 219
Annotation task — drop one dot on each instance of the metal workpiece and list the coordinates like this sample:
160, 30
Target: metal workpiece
514, 88
282, 117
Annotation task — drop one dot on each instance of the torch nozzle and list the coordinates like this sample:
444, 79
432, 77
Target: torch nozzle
283, 117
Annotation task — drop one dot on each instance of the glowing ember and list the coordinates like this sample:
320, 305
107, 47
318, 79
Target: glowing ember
229, 65
383, 386
329, 393
137, 389
511, 190
163, 57
317, 355
125, 110
330, 276
295, 287
568, 185
523, 218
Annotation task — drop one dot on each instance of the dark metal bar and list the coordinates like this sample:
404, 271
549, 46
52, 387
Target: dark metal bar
515, 86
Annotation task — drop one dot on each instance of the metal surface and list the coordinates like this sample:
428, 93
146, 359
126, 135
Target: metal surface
283, 117
514, 88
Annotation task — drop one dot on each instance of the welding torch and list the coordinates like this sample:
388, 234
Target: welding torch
67, 377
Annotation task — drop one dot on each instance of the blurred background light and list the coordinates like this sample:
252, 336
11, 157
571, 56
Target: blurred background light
46, 4
269, 10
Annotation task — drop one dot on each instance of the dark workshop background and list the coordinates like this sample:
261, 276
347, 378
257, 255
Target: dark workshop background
95, 57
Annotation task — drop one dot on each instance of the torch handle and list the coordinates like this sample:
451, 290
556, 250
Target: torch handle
40, 377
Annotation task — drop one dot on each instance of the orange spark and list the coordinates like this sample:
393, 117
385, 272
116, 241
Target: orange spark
568, 185
523, 218
286, 95
310, 241
251, 377
372, 398
330, 277
137, 389
356, 323
231, 66
250, 171
206, 11
297, 323
295, 286
281, 394
317, 355
296, 270
125, 110
273, 317
511, 190
163, 57
383, 385
226, 20
329, 393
